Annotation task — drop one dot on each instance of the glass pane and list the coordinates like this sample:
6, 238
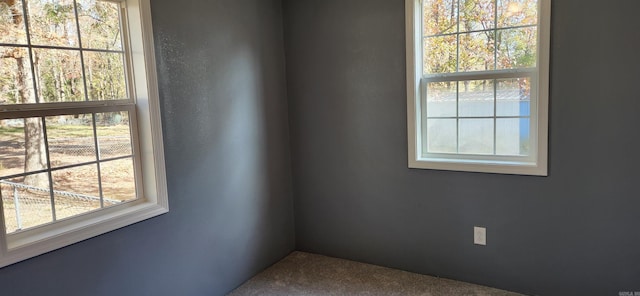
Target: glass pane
12, 23
118, 181
475, 98
512, 13
105, 76
18, 155
76, 190
441, 136
476, 136
512, 136
517, 48
513, 97
477, 51
70, 139
99, 24
52, 23
439, 54
59, 75
26, 201
441, 99
16, 81
114, 135
476, 15
440, 16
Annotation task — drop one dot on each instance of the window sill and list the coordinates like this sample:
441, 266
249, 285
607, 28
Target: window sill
464, 165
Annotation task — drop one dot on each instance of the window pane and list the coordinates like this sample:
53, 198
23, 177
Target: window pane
513, 13
441, 99
59, 75
118, 181
440, 16
70, 139
476, 98
114, 136
18, 155
477, 51
52, 23
513, 97
517, 48
440, 54
476, 136
512, 136
26, 201
12, 23
105, 76
476, 15
76, 190
16, 81
441, 136
99, 24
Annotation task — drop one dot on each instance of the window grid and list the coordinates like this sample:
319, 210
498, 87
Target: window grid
457, 83
495, 116
458, 32
480, 31
79, 48
50, 169
61, 48
33, 70
54, 218
97, 145
41, 110
495, 82
82, 67
64, 167
459, 76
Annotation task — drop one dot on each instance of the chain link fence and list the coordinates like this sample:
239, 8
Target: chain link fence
109, 146
29, 206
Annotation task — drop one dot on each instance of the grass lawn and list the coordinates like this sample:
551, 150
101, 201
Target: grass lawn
66, 131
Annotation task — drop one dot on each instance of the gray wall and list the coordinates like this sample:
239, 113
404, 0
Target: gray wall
225, 122
221, 71
572, 233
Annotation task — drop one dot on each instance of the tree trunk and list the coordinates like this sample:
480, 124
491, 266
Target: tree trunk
34, 153
34, 148
35, 156
62, 96
90, 88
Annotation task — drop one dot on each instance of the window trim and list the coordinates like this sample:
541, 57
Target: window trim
39, 240
501, 165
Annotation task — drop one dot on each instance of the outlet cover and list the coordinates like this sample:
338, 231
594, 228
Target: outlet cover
480, 236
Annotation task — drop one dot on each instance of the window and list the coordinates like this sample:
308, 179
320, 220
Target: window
80, 135
477, 73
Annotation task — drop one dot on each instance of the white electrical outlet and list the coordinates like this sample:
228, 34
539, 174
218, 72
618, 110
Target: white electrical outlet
480, 236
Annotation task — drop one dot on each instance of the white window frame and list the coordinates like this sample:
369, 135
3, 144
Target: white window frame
535, 163
138, 40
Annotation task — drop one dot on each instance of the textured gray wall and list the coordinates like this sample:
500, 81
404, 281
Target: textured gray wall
221, 72
572, 233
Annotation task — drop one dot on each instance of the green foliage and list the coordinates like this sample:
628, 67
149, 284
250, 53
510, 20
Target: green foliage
56, 13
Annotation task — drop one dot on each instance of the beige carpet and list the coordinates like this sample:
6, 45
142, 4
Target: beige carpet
308, 274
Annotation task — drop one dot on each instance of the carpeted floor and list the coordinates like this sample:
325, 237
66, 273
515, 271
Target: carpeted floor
307, 274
